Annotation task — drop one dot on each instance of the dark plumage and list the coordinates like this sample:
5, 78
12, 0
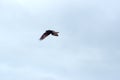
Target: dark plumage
48, 32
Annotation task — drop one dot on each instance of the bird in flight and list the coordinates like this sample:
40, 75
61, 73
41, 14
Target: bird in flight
48, 32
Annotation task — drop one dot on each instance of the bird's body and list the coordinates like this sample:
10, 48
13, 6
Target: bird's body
48, 32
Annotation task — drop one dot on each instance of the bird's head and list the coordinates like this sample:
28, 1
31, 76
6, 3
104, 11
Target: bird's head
55, 33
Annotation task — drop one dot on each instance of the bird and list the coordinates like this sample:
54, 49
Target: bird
48, 32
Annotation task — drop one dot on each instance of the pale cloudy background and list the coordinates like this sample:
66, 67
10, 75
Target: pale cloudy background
88, 47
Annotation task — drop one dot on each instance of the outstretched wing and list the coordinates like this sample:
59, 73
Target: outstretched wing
44, 35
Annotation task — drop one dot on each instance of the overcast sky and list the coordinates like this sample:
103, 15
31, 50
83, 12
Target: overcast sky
88, 46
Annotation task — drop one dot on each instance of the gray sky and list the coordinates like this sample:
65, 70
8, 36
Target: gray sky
88, 46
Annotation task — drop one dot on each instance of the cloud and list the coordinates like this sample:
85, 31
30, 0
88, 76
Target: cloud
87, 48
